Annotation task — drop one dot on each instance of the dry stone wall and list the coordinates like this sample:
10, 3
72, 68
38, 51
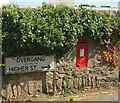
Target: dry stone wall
98, 74
25, 84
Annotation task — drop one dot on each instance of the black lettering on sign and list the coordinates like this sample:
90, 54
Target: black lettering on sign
42, 59
18, 60
25, 59
18, 69
48, 67
11, 69
29, 59
32, 67
35, 59
26, 68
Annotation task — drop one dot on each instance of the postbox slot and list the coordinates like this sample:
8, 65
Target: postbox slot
83, 42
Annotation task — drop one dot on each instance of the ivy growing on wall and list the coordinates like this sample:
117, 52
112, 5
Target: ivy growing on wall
54, 30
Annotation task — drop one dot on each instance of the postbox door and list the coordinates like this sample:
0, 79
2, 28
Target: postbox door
82, 55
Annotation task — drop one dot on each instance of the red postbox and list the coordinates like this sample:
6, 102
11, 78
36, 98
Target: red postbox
82, 53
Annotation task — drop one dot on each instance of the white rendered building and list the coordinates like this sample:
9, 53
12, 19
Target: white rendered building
66, 2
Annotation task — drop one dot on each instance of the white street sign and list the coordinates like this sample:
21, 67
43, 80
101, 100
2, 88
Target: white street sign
29, 64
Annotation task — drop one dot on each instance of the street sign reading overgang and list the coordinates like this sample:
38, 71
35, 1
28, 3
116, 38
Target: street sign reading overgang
29, 64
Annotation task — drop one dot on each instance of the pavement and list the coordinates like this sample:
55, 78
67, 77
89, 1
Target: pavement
100, 95
93, 95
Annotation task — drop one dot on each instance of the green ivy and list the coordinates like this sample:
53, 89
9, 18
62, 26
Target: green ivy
51, 30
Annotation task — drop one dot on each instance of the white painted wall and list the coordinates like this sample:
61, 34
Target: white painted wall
3, 2
66, 2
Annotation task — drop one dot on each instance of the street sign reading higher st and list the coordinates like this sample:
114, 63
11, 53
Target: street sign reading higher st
29, 64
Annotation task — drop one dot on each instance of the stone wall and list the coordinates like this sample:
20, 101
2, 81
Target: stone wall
98, 74
24, 84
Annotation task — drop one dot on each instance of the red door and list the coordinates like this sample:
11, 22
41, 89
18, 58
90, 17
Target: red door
82, 55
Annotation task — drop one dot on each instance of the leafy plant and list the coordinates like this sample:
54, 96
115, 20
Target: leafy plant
73, 90
71, 99
50, 30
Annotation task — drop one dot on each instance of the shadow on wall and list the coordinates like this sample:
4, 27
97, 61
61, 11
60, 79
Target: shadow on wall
96, 58
25, 84
98, 73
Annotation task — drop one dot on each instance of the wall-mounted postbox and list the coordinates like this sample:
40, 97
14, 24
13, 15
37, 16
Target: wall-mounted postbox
82, 52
